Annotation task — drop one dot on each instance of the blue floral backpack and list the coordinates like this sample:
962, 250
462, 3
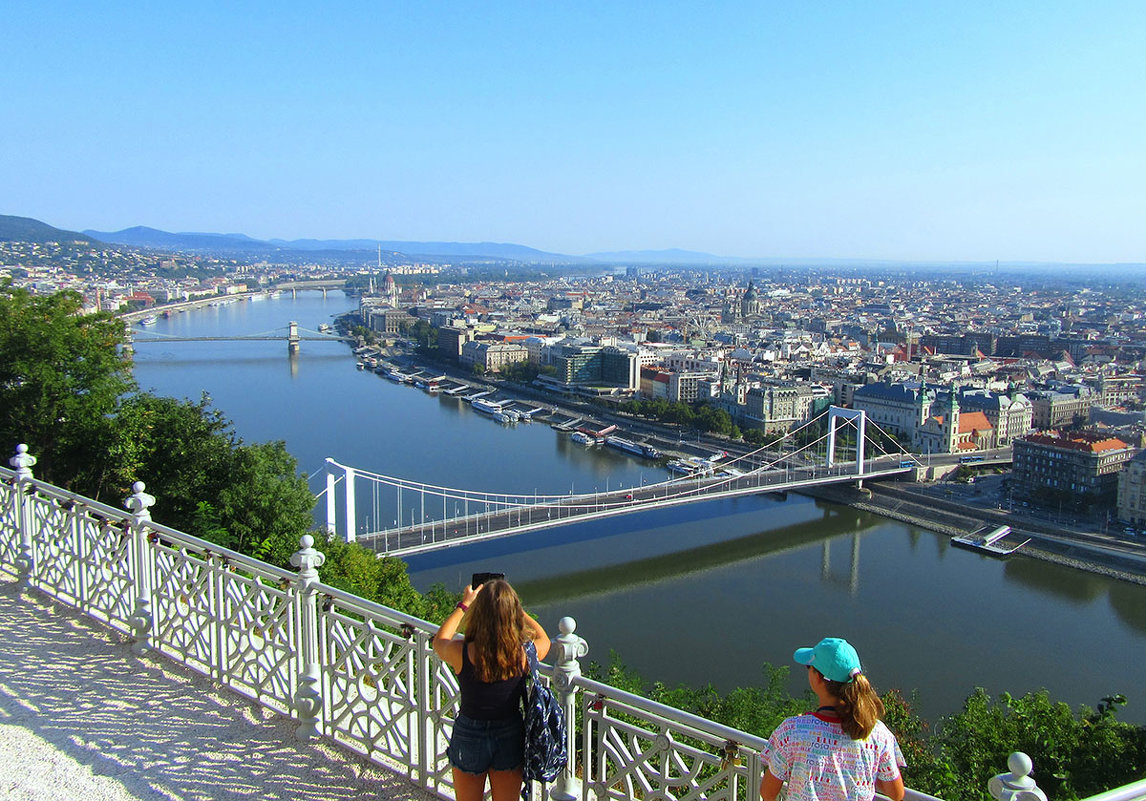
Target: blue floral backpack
545, 749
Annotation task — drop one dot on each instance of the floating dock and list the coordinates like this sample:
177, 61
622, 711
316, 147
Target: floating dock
988, 543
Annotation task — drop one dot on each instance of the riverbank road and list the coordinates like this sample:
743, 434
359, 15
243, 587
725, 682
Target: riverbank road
82, 718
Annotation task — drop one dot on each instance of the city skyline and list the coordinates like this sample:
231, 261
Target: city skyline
881, 132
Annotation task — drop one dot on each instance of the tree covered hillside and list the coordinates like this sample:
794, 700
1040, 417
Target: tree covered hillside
25, 229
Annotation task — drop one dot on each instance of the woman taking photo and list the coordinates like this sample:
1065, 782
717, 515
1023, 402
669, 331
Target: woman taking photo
489, 737
842, 751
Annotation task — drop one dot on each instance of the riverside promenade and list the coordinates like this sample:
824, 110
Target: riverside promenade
82, 717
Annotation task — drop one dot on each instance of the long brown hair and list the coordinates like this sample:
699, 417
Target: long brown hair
859, 707
496, 626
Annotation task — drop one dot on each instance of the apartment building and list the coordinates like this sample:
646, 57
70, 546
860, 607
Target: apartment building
1081, 467
1132, 491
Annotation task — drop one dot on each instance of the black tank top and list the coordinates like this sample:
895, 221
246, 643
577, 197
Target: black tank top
488, 700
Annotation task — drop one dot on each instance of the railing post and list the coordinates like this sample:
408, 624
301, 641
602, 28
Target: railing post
308, 696
566, 670
26, 559
1016, 784
142, 620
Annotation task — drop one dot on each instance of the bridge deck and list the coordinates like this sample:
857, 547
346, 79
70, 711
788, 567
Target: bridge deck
451, 532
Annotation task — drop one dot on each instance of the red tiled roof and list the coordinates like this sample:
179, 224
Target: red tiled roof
974, 421
1094, 443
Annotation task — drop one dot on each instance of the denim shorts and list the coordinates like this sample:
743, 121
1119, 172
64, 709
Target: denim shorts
478, 746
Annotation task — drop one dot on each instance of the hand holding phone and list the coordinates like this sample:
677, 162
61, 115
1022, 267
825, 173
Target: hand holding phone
481, 578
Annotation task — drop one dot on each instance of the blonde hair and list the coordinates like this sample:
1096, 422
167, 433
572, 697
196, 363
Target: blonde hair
496, 626
859, 707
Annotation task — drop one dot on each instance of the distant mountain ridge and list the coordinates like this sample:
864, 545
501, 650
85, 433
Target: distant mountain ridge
495, 250
142, 236
25, 229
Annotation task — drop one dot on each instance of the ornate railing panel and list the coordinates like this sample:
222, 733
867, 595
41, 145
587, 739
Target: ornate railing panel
58, 559
225, 615
108, 592
257, 633
370, 675
641, 749
355, 671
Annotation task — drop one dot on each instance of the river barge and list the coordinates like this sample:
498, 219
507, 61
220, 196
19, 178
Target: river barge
635, 448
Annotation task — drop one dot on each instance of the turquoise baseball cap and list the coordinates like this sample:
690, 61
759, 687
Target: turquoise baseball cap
834, 657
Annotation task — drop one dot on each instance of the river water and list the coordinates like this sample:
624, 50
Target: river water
697, 594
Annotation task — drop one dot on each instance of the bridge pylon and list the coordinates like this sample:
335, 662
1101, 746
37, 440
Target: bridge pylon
292, 338
859, 418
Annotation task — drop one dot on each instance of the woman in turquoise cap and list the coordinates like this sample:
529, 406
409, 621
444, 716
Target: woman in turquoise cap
842, 751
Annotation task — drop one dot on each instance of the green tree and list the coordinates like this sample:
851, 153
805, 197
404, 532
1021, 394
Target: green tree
62, 375
1074, 756
355, 569
182, 450
264, 504
926, 770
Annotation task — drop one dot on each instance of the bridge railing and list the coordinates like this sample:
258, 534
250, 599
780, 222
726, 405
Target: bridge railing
345, 668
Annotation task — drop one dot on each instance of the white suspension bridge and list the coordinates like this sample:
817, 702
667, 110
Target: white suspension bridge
424, 517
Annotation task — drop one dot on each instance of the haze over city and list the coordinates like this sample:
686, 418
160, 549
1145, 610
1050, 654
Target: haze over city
877, 130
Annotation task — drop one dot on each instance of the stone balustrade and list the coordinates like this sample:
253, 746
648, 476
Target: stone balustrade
350, 670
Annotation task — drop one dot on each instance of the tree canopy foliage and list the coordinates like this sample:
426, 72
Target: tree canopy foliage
62, 377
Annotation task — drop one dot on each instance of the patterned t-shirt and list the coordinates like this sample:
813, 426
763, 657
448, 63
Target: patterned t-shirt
821, 763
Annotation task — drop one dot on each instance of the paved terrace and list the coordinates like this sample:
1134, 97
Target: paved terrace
82, 718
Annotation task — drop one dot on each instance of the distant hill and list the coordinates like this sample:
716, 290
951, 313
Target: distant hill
488, 250
144, 237
25, 229
141, 236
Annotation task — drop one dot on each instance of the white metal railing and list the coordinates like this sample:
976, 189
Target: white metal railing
349, 669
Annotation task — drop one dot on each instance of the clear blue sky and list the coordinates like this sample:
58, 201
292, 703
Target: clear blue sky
866, 129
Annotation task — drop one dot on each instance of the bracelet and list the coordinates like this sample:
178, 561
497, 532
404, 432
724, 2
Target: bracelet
462, 607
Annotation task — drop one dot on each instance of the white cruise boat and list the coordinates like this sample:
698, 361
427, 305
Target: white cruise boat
485, 406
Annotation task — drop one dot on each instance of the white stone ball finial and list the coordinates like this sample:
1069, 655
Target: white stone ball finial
1017, 785
567, 625
139, 502
308, 560
23, 462
1021, 767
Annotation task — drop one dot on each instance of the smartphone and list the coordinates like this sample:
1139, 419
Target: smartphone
481, 578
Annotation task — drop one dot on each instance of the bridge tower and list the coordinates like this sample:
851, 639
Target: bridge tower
350, 521
292, 338
859, 417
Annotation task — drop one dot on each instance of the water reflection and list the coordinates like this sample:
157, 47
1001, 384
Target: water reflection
1126, 601
852, 580
1050, 579
662, 567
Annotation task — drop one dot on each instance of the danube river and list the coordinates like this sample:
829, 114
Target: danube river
702, 593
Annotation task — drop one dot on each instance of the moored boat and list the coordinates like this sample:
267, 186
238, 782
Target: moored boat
485, 406
635, 448
989, 543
